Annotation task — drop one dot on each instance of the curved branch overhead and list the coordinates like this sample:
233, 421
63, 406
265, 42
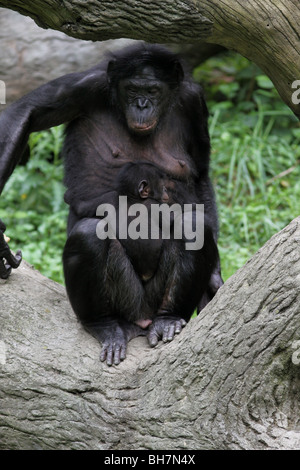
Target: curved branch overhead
265, 32
175, 20
228, 381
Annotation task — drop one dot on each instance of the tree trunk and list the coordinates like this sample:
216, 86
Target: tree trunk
264, 32
230, 380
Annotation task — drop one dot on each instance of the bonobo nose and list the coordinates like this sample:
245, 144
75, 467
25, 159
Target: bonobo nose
142, 103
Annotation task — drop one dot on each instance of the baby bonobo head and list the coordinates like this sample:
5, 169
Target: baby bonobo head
140, 181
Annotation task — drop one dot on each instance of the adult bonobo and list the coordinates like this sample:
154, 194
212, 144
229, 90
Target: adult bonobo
138, 105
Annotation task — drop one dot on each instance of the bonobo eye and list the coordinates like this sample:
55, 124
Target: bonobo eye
131, 90
154, 91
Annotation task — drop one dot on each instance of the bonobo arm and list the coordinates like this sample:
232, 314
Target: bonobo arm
54, 103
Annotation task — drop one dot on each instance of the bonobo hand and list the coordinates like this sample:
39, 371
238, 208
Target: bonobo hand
165, 328
7, 259
114, 335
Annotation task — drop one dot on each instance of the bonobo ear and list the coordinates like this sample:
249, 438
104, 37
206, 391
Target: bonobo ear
110, 69
144, 189
178, 72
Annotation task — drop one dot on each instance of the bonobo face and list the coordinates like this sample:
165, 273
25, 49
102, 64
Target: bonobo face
143, 99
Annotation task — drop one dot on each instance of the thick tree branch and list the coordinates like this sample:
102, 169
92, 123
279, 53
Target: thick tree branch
31, 56
176, 20
228, 381
265, 32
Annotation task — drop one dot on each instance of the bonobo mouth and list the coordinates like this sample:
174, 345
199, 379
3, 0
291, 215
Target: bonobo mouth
143, 128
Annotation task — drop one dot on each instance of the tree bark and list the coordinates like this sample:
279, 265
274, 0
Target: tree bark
230, 380
31, 56
264, 32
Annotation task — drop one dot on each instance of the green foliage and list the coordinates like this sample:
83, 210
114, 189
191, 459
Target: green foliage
33, 207
254, 168
255, 157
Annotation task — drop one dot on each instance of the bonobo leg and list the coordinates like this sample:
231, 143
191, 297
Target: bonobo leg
214, 285
104, 291
7, 259
205, 193
185, 275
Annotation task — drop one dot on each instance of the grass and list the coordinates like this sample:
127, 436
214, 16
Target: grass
33, 207
256, 175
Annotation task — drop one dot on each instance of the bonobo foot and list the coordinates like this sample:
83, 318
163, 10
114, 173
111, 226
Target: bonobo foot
7, 259
114, 335
165, 328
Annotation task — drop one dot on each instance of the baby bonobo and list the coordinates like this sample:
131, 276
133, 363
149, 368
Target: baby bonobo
142, 183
